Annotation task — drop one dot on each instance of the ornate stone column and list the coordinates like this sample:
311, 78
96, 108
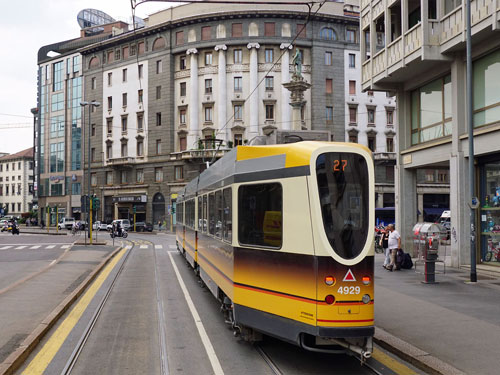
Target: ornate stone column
222, 128
285, 78
192, 138
254, 98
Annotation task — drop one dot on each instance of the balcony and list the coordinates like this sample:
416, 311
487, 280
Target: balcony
126, 161
424, 45
206, 154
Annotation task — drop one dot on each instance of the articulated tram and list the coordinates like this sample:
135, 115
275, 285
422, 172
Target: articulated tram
282, 237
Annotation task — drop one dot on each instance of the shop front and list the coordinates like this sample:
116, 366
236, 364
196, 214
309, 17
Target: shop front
125, 206
489, 185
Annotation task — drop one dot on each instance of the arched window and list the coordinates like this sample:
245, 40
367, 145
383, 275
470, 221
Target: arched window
158, 44
94, 62
328, 33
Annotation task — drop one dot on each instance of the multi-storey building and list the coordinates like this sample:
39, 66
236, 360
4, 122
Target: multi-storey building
416, 48
196, 73
16, 182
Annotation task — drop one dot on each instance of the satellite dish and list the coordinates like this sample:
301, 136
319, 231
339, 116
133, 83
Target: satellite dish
93, 17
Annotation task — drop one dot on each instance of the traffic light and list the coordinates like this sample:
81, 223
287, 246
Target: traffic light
134, 209
173, 210
96, 203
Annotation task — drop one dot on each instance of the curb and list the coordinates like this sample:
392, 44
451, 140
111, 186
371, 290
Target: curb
44, 232
411, 354
17, 358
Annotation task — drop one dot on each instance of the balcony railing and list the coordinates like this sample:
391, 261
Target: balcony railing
126, 160
199, 154
413, 39
451, 25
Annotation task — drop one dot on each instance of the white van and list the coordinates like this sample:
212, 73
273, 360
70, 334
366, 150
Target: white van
445, 217
125, 224
66, 222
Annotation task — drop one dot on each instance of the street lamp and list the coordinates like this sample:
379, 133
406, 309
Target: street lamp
91, 104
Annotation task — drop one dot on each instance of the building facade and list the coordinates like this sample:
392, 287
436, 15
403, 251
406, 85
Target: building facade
194, 83
417, 49
16, 182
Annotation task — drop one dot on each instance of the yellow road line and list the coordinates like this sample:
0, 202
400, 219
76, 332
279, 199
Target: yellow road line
50, 349
391, 363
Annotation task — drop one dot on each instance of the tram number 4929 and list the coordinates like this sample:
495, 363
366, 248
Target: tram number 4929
349, 290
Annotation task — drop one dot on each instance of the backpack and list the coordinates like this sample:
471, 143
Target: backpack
407, 263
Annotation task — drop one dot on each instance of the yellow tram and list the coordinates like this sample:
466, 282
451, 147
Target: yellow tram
282, 237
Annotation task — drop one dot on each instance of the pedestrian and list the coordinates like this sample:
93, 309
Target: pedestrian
159, 225
394, 243
384, 243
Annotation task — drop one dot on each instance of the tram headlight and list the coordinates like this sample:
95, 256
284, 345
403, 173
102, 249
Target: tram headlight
366, 298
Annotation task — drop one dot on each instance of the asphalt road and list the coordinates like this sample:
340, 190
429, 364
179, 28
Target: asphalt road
146, 326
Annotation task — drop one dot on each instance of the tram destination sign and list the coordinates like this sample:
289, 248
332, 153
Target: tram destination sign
130, 199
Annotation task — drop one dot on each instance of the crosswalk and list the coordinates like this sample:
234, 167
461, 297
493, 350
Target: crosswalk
35, 247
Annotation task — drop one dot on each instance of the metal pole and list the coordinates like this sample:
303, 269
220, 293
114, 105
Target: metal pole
473, 274
88, 174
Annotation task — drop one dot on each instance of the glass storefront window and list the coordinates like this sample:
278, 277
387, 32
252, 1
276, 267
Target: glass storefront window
490, 212
486, 96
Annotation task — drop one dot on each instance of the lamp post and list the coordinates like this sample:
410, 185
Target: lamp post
36, 159
91, 104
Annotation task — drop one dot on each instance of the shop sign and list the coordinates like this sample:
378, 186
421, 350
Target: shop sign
62, 210
56, 178
131, 199
76, 210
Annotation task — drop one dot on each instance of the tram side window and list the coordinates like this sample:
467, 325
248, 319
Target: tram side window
227, 222
218, 214
200, 219
205, 213
183, 209
260, 213
211, 213
190, 213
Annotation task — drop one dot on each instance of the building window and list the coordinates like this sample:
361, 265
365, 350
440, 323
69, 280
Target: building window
140, 96
158, 174
182, 116
140, 69
329, 114
158, 92
182, 62
208, 58
486, 98
109, 178
182, 143
76, 188
179, 172
269, 55
371, 116
269, 83
139, 176
237, 30
124, 124
94, 83
301, 30
140, 147
159, 67
269, 112
124, 99
109, 126
372, 143
238, 84
238, 56
353, 115
208, 86
179, 38
124, 150
206, 33
390, 117
238, 112
92, 154
110, 102
390, 144
182, 86
328, 58
92, 130
140, 122
329, 86
158, 118
57, 77
124, 75
109, 151
328, 34
123, 177
353, 138
269, 29
93, 179
431, 111
352, 60
110, 79
352, 87
117, 54
208, 114
350, 36
158, 147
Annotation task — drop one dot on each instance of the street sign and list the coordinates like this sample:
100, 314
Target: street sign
474, 203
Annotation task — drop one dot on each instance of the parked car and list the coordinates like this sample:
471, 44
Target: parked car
141, 226
125, 224
99, 225
66, 222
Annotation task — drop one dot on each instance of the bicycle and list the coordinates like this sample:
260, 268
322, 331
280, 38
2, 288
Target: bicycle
75, 230
493, 253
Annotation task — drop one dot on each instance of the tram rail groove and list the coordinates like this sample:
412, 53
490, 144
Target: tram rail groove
17, 358
274, 368
90, 326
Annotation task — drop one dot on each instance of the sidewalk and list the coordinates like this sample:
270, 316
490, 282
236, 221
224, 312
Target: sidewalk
452, 327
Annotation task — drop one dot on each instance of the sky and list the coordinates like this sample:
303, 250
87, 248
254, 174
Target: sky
25, 26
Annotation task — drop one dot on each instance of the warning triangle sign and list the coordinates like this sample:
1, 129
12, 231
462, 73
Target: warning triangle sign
349, 276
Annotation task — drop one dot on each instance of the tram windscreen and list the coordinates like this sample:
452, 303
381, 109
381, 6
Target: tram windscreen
343, 193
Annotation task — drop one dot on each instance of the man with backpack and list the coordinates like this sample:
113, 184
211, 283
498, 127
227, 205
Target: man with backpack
394, 243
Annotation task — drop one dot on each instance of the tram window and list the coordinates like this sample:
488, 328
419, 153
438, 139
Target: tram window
200, 219
344, 200
260, 215
190, 213
218, 214
211, 213
205, 208
183, 205
227, 222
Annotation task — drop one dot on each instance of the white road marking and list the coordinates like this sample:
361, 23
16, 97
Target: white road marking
5, 247
20, 247
51, 246
144, 246
214, 361
172, 246
34, 247
158, 246
65, 246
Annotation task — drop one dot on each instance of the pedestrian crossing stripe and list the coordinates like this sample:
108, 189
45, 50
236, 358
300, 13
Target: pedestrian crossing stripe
5, 247
51, 246
144, 246
20, 247
159, 246
65, 246
34, 247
